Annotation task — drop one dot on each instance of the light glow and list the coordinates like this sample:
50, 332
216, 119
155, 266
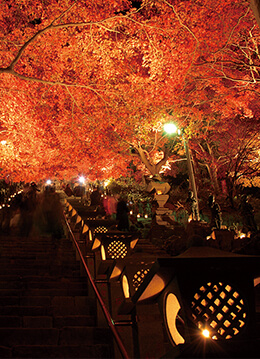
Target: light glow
205, 333
156, 285
170, 128
125, 286
107, 182
103, 253
82, 179
172, 307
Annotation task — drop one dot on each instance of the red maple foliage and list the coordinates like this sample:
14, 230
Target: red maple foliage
82, 82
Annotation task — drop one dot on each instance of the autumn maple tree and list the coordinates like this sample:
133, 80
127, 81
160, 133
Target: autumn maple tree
86, 86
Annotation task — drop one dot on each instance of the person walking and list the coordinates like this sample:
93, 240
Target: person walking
192, 204
247, 212
122, 215
216, 215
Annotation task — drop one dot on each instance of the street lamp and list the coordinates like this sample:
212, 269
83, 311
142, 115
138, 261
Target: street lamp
82, 179
171, 129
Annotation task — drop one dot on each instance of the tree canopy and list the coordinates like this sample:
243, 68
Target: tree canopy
85, 85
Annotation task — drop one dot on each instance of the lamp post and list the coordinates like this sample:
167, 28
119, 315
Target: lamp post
171, 128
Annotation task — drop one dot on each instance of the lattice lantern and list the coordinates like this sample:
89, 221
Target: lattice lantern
206, 298
220, 310
114, 246
117, 245
134, 274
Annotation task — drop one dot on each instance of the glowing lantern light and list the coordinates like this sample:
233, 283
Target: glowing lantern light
205, 333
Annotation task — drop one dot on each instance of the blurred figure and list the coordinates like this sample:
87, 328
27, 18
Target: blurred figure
95, 197
216, 215
28, 208
192, 204
68, 190
112, 206
52, 213
247, 213
122, 215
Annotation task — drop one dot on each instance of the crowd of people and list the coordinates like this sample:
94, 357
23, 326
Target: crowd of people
33, 212
40, 210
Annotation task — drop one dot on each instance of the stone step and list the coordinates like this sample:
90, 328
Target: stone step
55, 270
36, 255
37, 292
34, 310
25, 310
25, 336
35, 248
54, 336
22, 284
32, 251
47, 280
79, 301
45, 310
45, 305
74, 321
61, 351
46, 321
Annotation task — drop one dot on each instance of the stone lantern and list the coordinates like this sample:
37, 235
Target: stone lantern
161, 189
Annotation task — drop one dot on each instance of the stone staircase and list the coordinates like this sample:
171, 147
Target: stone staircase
45, 309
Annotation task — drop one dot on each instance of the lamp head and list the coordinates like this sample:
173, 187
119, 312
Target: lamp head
170, 128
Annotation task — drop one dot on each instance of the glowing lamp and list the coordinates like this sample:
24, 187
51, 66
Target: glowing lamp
113, 246
48, 182
82, 179
205, 333
170, 128
131, 272
217, 303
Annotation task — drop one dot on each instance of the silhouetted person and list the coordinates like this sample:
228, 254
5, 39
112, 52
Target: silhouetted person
68, 190
122, 215
247, 213
95, 197
216, 215
112, 205
52, 213
192, 203
28, 208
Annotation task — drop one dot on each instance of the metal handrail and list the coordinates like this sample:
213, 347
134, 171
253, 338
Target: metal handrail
107, 315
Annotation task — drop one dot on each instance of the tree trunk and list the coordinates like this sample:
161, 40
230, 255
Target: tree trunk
212, 171
153, 168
